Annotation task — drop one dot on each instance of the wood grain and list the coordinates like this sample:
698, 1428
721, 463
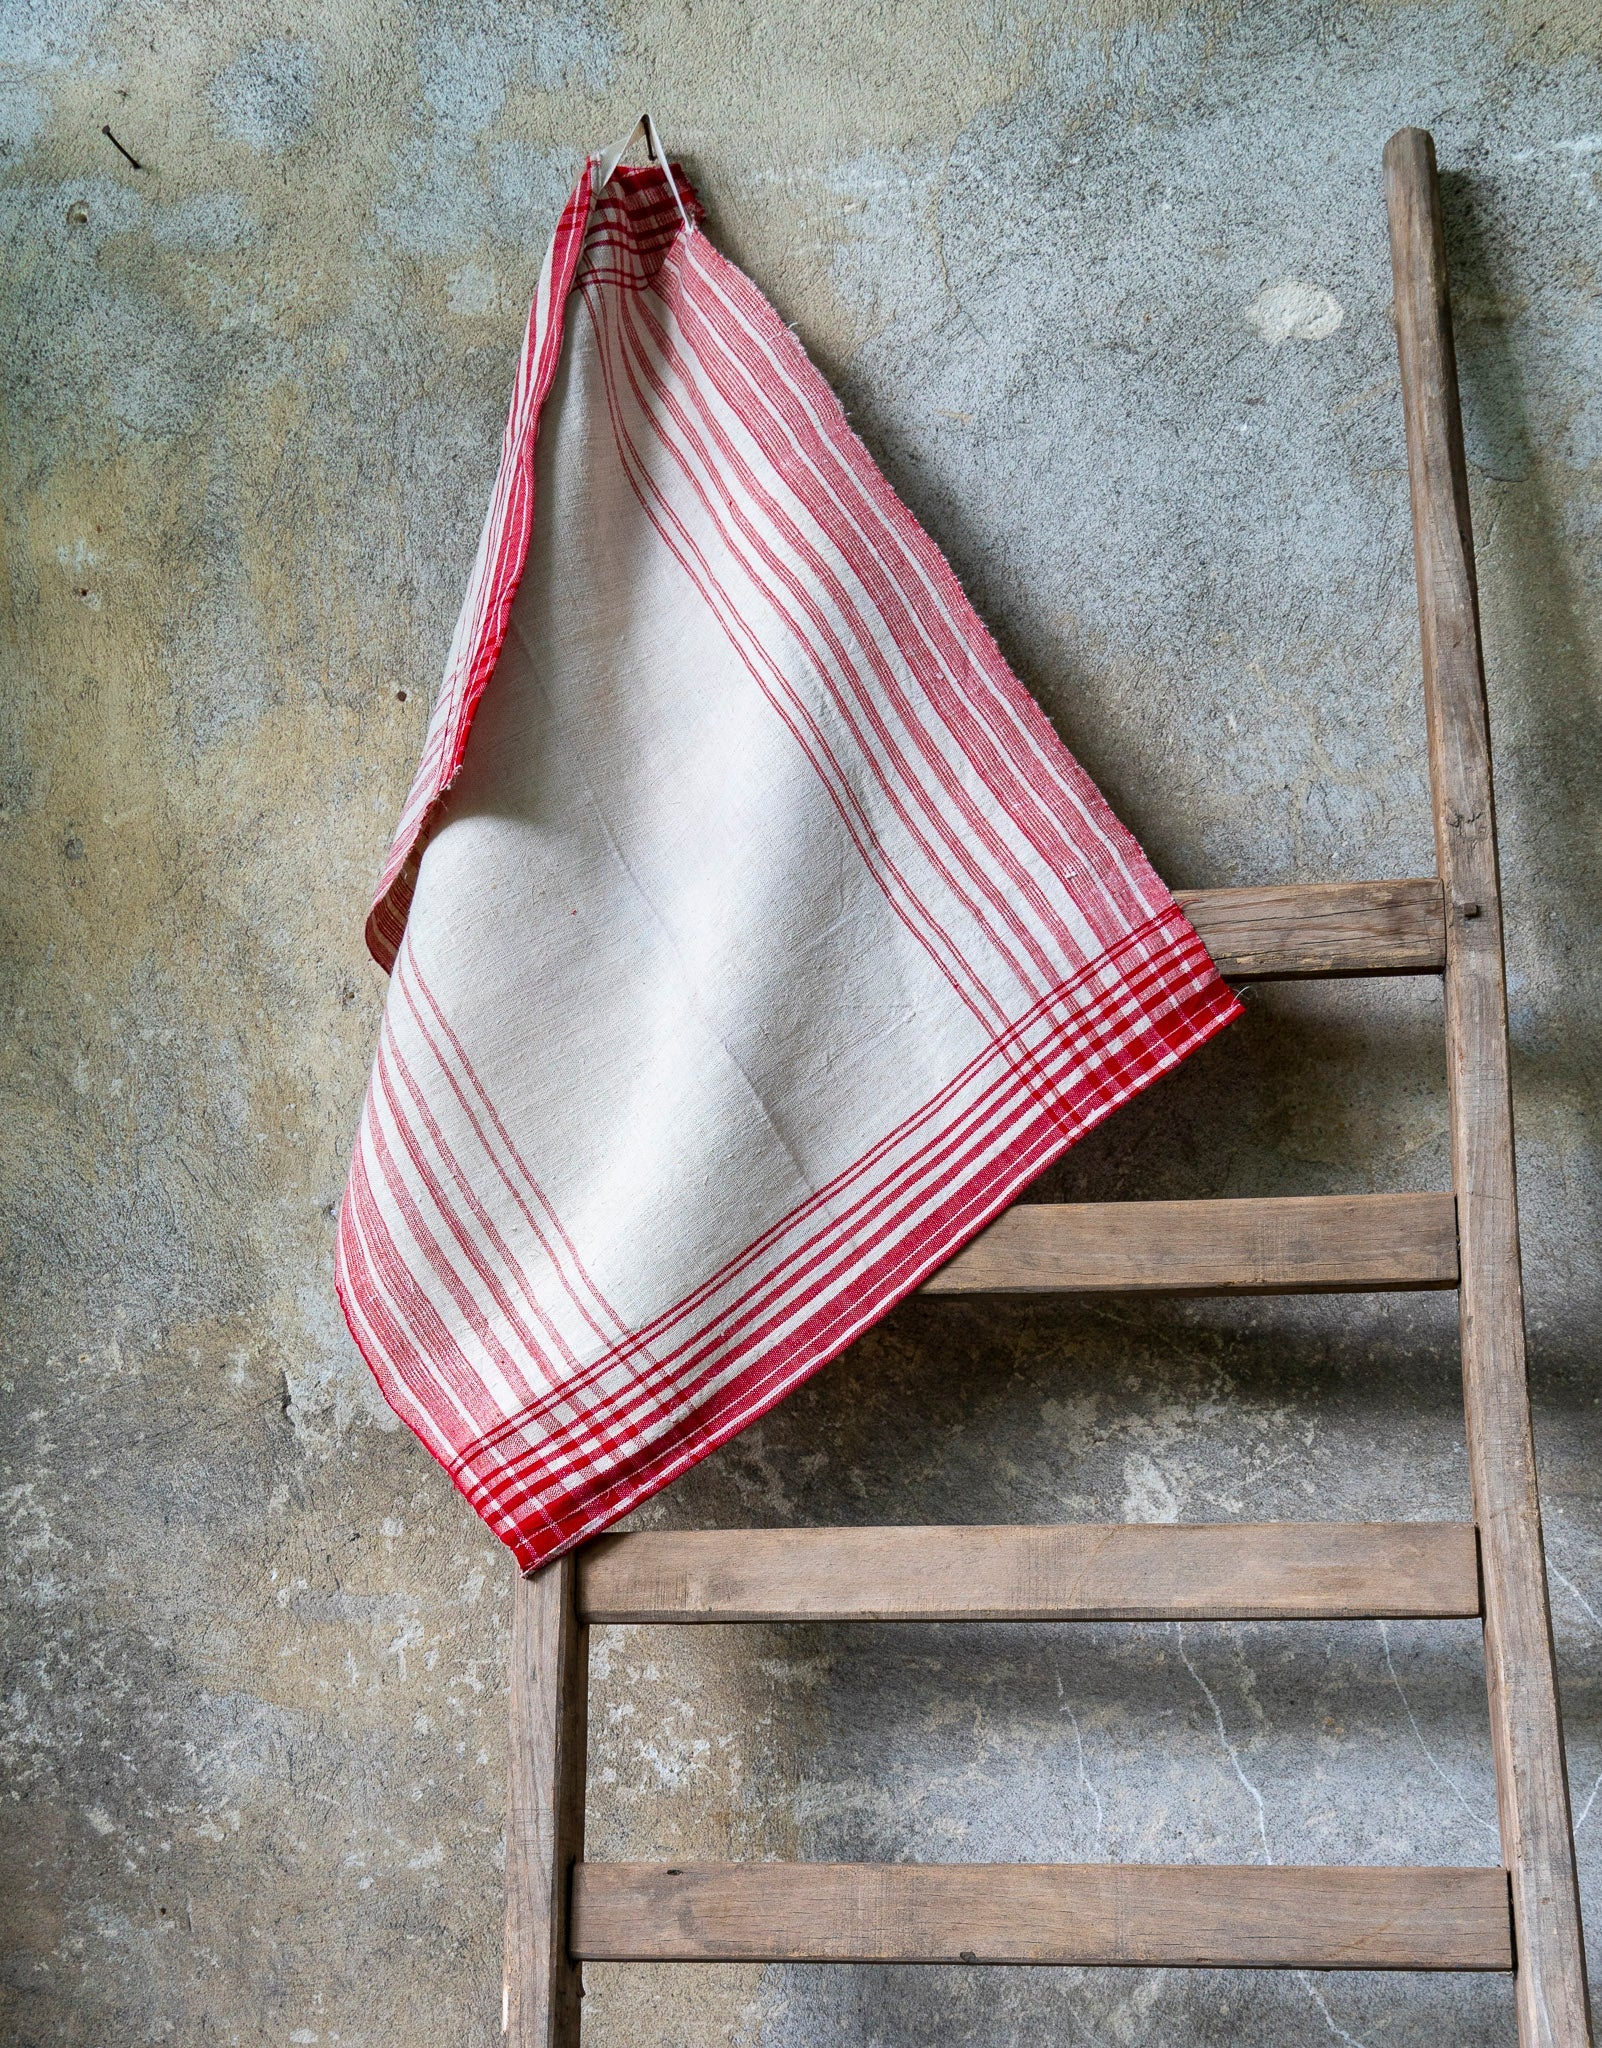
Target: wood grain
1294, 1245
1171, 1916
1321, 929
1083, 1572
545, 1808
1537, 1842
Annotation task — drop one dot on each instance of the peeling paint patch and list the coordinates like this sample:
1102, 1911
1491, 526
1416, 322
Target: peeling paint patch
1148, 1497
1570, 145
471, 289
1294, 311
330, 1390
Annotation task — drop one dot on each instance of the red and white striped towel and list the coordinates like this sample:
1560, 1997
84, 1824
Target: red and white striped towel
753, 940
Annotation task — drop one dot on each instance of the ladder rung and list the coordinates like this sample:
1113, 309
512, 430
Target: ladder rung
1300, 1244
1219, 1571
1321, 929
1165, 1915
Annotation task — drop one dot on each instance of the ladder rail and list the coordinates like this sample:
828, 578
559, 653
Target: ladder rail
1526, 1731
543, 1983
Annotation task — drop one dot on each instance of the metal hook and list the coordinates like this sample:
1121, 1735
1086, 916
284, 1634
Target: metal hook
656, 153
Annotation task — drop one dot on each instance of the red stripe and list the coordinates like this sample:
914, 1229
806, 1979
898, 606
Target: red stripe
826, 1261
836, 671
790, 707
814, 425
556, 1347
579, 1511
843, 1242
959, 821
424, 1369
408, 972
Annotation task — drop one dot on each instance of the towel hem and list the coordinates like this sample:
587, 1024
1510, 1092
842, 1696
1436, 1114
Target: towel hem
1041, 1133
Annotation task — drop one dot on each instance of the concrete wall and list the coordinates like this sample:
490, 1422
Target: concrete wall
1106, 289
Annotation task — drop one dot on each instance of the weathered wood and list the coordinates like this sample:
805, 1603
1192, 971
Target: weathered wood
544, 1809
1315, 1244
1171, 1916
1321, 929
1537, 1841
1084, 1572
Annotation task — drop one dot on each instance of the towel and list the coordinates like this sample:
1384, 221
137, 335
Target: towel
752, 937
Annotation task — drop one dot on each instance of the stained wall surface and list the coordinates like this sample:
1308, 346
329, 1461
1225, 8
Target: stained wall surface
1106, 288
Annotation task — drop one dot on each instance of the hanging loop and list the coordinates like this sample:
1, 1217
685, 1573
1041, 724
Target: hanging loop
658, 155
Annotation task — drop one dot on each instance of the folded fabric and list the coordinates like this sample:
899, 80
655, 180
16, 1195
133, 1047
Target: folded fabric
753, 938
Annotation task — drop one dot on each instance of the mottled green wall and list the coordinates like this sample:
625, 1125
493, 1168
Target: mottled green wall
1107, 290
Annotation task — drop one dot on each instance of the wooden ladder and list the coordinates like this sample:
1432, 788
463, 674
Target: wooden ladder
1523, 1917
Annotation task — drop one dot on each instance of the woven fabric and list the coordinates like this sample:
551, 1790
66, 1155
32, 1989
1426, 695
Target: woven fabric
753, 938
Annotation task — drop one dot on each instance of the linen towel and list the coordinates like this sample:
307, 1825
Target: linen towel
753, 938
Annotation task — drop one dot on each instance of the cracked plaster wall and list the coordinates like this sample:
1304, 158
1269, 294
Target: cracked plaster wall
1106, 288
